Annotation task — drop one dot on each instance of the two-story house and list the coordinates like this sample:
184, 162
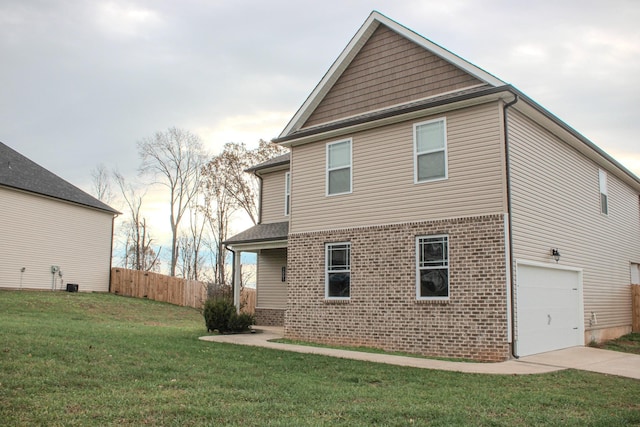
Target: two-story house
51, 232
427, 206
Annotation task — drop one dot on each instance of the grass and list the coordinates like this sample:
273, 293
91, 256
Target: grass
629, 343
98, 360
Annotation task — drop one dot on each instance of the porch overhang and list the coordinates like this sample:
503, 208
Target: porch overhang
260, 236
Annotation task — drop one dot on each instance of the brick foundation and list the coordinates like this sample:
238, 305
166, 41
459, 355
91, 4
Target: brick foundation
269, 317
383, 311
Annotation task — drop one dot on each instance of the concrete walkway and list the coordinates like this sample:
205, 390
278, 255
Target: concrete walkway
584, 358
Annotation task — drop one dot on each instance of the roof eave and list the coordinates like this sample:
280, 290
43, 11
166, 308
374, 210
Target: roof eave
60, 199
594, 152
392, 115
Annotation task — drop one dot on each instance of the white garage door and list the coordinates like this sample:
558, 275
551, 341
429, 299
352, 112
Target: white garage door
549, 308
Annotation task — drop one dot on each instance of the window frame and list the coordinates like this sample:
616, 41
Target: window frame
327, 247
604, 195
328, 170
287, 193
416, 154
419, 268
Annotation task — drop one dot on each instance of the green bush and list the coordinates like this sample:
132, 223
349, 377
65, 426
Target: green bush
220, 315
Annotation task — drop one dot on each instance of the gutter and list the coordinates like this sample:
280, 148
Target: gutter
510, 228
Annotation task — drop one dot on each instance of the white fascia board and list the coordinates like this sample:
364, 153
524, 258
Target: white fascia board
256, 246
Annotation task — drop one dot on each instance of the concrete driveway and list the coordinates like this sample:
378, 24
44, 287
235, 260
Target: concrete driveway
583, 358
589, 359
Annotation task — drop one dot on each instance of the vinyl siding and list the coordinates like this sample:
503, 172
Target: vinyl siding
556, 204
38, 232
273, 197
272, 292
383, 180
388, 70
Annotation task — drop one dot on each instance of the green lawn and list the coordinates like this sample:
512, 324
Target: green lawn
93, 359
629, 343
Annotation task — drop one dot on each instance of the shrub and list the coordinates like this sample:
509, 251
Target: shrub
220, 315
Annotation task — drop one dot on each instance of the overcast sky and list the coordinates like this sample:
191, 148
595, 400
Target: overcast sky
82, 81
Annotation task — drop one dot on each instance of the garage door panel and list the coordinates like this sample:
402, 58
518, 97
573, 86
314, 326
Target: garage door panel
548, 297
550, 319
548, 309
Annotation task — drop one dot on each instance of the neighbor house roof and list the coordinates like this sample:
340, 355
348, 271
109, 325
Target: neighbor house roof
20, 173
261, 233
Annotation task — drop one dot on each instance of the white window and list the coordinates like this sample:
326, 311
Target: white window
604, 199
338, 270
432, 267
430, 150
287, 193
339, 167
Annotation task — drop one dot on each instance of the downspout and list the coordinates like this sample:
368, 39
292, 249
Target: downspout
510, 227
260, 198
113, 220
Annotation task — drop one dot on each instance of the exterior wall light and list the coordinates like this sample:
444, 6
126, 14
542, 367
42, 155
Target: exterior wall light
555, 253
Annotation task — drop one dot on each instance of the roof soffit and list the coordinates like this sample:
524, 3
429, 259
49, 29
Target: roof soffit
351, 50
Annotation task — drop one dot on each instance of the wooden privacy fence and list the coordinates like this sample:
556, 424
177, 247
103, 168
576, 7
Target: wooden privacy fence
635, 298
174, 290
158, 287
248, 300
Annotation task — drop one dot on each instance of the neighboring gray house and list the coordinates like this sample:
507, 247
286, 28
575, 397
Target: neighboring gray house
427, 206
52, 232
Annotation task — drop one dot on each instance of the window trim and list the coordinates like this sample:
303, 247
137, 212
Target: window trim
326, 271
418, 268
416, 154
287, 193
602, 183
328, 170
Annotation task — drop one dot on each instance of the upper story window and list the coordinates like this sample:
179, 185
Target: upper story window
604, 199
339, 167
287, 193
430, 150
432, 267
338, 270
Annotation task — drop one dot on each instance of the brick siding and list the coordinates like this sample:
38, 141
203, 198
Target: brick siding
269, 317
383, 311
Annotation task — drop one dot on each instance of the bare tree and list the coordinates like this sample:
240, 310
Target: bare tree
218, 207
139, 253
227, 189
242, 187
190, 245
101, 183
174, 158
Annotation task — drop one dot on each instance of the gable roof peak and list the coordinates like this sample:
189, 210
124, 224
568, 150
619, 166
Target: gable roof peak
374, 20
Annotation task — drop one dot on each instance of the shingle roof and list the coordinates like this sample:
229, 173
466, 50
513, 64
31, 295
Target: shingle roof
17, 171
276, 161
393, 111
262, 233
